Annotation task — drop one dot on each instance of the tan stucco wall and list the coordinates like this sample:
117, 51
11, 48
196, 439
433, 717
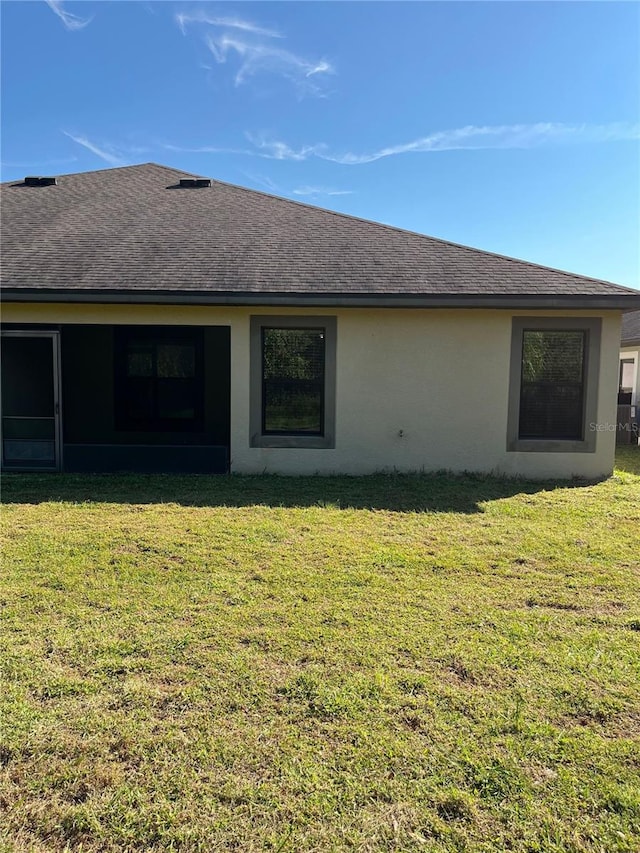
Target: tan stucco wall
439, 376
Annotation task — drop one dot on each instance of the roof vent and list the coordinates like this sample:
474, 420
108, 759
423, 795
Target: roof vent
194, 182
40, 182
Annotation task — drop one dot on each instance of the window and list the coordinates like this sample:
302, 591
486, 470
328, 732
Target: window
158, 379
554, 383
293, 381
625, 387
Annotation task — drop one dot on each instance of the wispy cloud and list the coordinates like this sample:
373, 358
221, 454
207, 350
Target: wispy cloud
262, 147
201, 17
468, 138
275, 150
266, 183
106, 153
71, 21
206, 149
305, 191
251, 49
319, 191
261, 58
474, 137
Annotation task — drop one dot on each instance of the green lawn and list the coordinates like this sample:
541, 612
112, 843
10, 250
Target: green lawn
395, 663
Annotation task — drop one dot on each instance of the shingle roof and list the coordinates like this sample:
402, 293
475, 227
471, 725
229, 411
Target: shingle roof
631, 328
129, 229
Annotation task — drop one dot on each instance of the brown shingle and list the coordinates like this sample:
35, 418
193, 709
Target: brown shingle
126, 229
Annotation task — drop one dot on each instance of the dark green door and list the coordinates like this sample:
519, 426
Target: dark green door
30, 404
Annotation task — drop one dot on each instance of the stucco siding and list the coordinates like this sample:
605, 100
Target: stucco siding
416, 389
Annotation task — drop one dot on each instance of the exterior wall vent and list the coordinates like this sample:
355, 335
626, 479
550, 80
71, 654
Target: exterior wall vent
33, 181
194, 182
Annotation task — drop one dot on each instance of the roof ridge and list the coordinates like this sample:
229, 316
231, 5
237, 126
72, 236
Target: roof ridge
118, 169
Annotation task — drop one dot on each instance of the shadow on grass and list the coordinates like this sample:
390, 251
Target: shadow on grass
437, 492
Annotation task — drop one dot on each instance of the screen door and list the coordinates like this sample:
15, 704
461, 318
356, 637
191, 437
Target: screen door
30, 401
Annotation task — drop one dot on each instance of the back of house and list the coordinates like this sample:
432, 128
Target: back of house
158, 321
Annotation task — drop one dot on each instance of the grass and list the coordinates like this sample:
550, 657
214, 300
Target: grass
389, 663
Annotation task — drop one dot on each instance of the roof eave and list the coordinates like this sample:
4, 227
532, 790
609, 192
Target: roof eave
619, 301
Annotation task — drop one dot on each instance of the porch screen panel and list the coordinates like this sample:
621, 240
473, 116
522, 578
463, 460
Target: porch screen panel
28, 404
552, 384
27, 387
159, 378
176, 387
293, 381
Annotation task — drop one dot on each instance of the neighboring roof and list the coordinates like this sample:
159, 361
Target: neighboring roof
631, 329
130, 234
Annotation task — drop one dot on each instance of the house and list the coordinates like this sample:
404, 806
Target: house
629, 373
629, 380
156, 321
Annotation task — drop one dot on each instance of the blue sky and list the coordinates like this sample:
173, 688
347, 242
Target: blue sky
511, 126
